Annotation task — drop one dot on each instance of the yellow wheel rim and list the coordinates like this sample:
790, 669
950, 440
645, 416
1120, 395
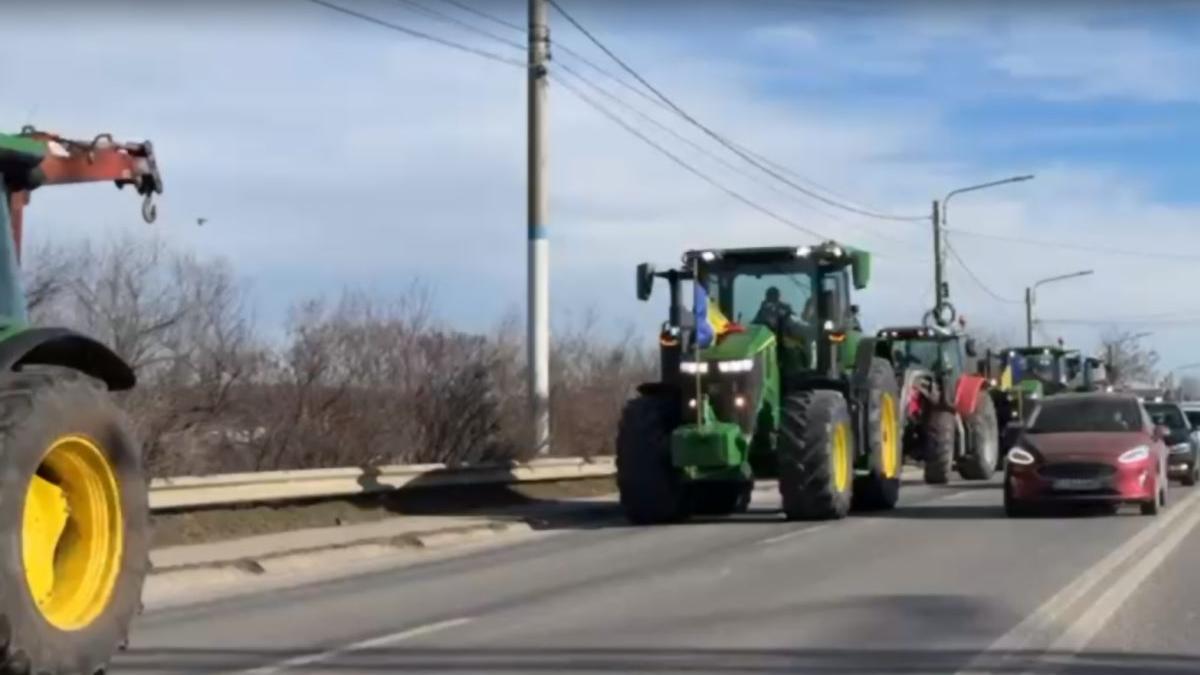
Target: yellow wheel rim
841, 457
889, 436
71, 537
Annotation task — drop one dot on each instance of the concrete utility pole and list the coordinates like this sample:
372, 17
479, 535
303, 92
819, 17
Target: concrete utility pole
941, 291
939, 262
539, 247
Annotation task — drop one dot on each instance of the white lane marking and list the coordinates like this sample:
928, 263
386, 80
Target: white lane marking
1078, 635
372, 643
791, 535
1042, 620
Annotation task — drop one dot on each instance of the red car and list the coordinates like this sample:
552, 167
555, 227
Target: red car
1093, 447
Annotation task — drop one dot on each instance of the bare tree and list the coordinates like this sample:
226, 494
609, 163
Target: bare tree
1129, 362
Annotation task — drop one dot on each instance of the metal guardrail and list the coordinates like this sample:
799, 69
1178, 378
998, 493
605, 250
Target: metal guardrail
275, 486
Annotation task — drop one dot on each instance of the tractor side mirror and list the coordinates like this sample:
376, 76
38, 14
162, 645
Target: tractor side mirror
969, 347
645, 281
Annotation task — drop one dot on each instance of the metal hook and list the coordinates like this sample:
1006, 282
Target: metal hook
149, 210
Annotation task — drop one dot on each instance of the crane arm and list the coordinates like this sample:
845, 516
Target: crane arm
48, 159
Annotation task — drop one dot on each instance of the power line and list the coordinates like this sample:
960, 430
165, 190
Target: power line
978, 282
491, 56
1079, 247
596, 105
731, 146
465, 25
719, 159
482, 14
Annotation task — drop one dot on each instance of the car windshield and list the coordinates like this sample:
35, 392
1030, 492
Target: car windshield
1067, 415
1167, 415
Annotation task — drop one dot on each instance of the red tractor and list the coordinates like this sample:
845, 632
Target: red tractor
950, 420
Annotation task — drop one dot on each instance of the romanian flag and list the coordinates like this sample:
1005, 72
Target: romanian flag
711, 323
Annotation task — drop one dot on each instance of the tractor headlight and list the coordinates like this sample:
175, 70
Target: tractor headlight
1021, 456
693, 367
736, 366
1132, 455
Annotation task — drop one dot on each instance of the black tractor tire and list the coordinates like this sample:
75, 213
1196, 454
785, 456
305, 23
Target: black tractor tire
67, 457
880, 488
941, 430
983, 442
651, 489
719, 498
811, 423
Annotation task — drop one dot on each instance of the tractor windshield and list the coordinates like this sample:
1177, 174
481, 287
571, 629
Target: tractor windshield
928, 354
1043, 365
778, 298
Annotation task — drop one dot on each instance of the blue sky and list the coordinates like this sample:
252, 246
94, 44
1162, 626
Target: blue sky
327, 152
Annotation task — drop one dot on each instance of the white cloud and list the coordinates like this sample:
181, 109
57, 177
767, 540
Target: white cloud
328, 152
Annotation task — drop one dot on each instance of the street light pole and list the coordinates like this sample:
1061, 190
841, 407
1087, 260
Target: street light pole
1031, 297
941, 290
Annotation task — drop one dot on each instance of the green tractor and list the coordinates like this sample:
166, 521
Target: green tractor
787, 393
73, 497
1023, 375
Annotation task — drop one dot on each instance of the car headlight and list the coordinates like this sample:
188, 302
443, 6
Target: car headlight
1181, 447
1134, 455
693, 367
1021, 456
736, 366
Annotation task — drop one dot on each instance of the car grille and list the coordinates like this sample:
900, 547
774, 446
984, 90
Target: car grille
1077, 470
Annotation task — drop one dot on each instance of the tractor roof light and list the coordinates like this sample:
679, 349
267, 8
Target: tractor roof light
836, 251
708, 256
804, 251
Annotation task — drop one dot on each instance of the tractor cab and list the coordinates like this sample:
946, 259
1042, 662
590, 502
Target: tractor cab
794, 300
935, 349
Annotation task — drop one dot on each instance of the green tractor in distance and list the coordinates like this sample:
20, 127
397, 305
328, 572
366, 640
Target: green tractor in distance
1023, 375
797, 395
950, 421
73, 497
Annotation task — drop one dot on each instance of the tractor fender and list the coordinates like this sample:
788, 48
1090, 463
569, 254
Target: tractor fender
862, 363
69, 349
966, 396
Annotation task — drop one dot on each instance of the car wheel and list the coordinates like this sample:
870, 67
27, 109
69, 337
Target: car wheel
1150, 508
1192, 474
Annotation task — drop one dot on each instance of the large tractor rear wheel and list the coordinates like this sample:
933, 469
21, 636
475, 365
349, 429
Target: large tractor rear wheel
816, 456
73, 525
983, 442
880, 488
651, 489
941, 430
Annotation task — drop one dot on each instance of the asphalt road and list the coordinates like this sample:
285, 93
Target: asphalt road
944, 583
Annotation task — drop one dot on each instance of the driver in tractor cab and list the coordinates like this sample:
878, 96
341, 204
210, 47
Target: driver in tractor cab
773, 311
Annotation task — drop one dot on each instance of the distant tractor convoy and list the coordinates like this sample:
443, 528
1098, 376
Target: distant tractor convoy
73, 499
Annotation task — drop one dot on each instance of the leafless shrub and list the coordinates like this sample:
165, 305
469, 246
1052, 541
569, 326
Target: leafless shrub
361, 380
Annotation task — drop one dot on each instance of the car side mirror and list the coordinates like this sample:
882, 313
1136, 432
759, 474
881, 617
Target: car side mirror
1160, 432
645, 281
969, 347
